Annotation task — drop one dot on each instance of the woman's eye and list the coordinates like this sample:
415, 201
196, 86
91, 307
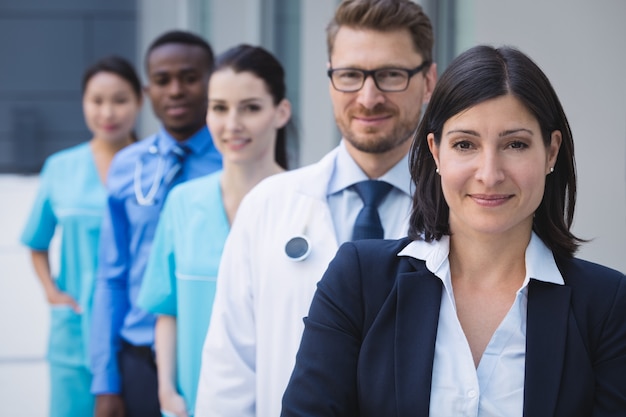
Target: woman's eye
462, 145
518, 145
218, 108
253, 108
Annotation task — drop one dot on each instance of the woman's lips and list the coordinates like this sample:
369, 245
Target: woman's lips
491, 200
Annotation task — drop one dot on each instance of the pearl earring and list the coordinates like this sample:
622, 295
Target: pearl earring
551, 170
437, 170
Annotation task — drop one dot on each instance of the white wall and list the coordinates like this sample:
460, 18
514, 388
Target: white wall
579, 45
318, 133
154, 18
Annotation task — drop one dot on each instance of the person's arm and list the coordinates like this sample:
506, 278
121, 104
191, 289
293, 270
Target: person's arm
165, 346
41, 264
324, 379
38, 233
610, 359
158, 296
109, 405
110, 306
227, 385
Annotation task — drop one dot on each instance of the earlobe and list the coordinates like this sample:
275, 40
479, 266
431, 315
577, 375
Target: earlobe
434, 149
555, 145
283, 113
430, 79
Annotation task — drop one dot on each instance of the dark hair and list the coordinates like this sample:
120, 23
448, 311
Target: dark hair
115, 65
261, 63
384, 15
185, 38
477, 75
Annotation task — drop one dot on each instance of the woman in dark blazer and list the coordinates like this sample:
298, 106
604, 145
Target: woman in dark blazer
483, 310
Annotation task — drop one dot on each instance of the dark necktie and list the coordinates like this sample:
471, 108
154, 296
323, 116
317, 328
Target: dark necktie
367, 224
180, 152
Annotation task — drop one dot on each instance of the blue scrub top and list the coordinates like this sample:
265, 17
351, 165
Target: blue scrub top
128, 229
182, 269
71, 196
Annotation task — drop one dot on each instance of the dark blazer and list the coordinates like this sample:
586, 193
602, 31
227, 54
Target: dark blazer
369, 339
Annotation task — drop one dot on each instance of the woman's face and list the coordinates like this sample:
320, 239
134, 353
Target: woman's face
242, 117
493, 163
110, 106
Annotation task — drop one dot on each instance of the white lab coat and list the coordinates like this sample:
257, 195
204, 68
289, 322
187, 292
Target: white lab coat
262, 295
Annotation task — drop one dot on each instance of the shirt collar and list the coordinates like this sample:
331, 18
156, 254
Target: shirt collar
540, 263
197, 143
347, 172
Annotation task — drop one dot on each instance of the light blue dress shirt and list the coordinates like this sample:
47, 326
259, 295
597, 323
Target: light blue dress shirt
496, 387
126, 238
182, 271
345, 204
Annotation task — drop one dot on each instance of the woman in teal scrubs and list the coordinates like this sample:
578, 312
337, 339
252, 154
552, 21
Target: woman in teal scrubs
247, 115
70, 201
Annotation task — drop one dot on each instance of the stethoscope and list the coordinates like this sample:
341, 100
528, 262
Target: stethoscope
148, 198
298, 248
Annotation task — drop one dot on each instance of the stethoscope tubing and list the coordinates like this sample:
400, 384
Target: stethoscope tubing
149, 198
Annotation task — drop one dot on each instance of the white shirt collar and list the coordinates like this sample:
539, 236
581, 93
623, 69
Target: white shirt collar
347, 173
540, 263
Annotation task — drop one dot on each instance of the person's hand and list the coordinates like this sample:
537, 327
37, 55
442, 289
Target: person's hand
109, 405
56, 297
173, 404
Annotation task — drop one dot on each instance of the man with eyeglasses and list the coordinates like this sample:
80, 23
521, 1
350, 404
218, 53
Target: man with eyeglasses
289, 227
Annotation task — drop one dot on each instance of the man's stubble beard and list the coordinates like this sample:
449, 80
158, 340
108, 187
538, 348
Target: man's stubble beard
380, 143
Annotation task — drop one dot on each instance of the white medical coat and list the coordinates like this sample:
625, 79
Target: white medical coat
262, 295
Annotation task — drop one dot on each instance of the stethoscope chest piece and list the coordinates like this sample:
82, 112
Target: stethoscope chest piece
298, 248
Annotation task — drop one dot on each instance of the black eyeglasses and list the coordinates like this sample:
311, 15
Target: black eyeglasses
389, 80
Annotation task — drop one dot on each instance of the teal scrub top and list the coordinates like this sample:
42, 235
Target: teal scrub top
182, 270
70, 200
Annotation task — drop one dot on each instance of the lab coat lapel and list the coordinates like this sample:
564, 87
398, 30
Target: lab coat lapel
310, 215
419, 298
315, 182
546, 335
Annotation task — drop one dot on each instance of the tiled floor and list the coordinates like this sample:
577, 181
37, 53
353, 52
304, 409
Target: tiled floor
24, 318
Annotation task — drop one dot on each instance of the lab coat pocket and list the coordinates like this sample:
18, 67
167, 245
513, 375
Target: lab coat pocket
65, 343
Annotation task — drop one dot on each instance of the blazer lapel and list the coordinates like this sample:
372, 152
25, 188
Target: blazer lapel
419, 298
546, 335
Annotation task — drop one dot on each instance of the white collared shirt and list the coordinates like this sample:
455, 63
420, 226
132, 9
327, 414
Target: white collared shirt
345, 203
496, 387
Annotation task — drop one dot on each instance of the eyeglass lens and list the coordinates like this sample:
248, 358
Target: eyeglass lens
386, 79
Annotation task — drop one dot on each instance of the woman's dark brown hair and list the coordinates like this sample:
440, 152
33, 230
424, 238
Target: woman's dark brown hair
480, 74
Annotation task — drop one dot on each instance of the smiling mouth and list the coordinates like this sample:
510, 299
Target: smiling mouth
491, 200
176, 110
236, 144
372, 120
236, 140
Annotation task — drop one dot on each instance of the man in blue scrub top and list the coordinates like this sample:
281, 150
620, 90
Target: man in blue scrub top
124, 372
